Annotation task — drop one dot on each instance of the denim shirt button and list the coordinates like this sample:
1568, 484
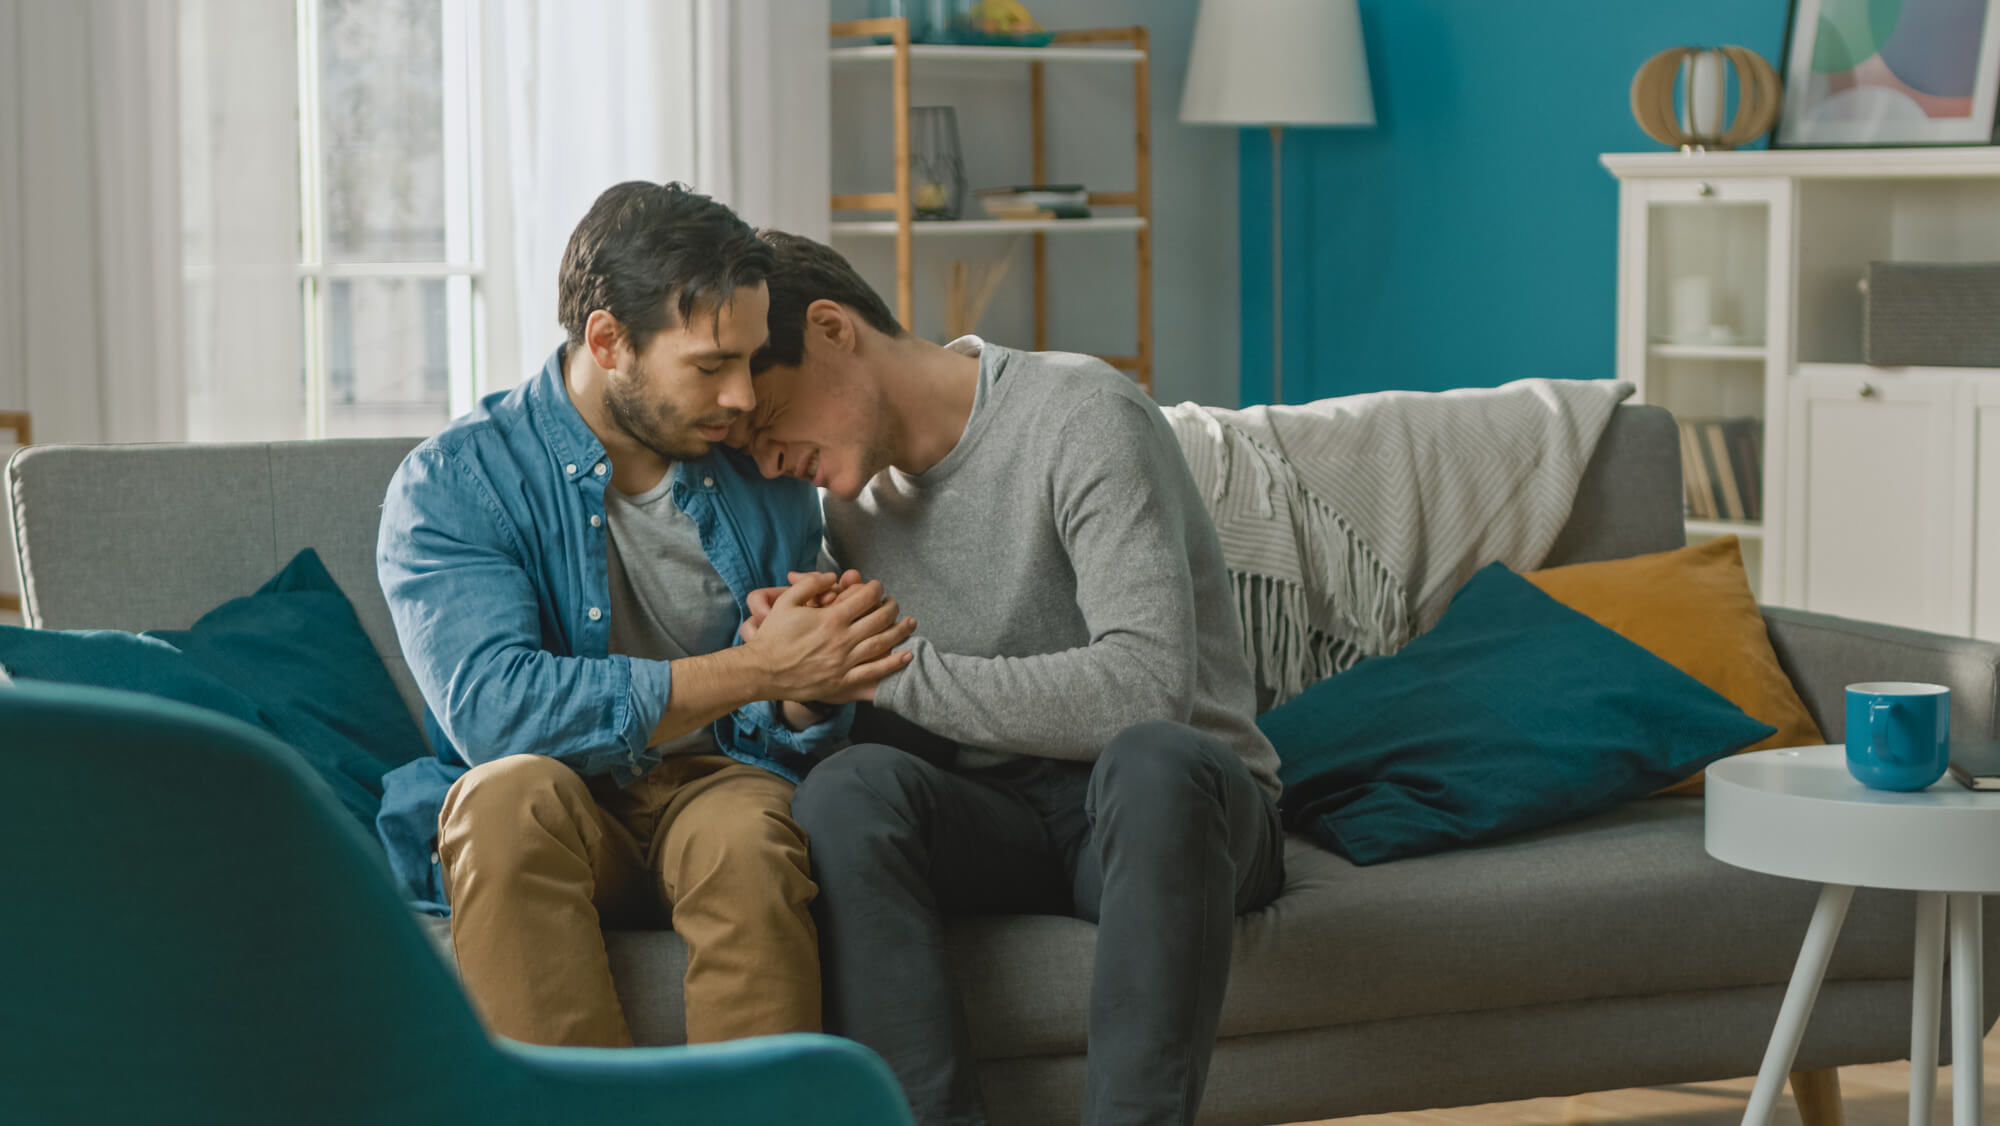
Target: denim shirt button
570, 468
708, 482
595, 613
599, 470
596, 520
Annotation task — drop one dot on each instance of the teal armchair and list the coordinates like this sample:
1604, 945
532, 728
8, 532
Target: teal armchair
192, 931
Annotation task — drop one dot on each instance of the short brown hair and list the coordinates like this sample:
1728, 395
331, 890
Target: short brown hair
643, 246
803, 272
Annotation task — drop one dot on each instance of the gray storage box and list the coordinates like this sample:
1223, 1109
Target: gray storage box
1933, 314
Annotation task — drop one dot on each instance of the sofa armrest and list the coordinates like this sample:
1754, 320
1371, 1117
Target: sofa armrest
1824, 654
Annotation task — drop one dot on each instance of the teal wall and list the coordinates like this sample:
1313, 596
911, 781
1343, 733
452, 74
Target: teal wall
1470, 238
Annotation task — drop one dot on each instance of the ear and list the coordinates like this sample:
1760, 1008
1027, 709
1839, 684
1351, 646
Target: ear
605, 338
832, 323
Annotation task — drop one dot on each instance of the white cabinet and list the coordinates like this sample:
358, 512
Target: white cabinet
1983, 420
1738, 298
1875, 494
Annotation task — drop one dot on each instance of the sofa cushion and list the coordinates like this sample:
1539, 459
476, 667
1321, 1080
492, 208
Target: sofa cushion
1693, 608
1512, 713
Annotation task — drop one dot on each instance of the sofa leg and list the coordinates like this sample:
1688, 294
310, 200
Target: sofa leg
1818, 1094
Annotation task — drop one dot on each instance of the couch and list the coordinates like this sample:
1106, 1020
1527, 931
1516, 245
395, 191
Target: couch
1610, 952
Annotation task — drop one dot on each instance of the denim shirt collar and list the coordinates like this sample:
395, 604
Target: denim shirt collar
571, 439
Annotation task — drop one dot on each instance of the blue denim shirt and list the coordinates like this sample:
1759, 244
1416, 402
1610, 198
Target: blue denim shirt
492, 556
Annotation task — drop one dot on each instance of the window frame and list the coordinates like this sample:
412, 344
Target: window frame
463, 267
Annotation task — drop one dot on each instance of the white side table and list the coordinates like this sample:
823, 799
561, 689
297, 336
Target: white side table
1798, 813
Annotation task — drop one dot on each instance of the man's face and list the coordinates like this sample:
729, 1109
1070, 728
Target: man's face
813, 425
692, 383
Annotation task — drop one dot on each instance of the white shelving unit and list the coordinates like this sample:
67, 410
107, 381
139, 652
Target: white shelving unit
1881, 486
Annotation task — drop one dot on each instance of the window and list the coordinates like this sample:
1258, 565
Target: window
389, 275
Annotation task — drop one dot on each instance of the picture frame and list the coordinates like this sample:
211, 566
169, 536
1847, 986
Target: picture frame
1925, 72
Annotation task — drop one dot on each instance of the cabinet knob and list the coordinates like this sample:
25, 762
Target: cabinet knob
1706, 191
1869, 391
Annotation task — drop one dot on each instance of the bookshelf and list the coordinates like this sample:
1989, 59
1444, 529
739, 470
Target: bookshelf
892, 215
1737, 299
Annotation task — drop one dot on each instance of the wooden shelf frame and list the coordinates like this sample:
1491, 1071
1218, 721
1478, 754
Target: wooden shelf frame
900, 53
24, 435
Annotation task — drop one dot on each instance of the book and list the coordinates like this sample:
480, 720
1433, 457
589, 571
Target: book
1693, 478
1730, 498
1742, 434
1976, 764
1036, 201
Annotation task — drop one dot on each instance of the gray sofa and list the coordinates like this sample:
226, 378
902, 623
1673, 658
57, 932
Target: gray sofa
1607, 953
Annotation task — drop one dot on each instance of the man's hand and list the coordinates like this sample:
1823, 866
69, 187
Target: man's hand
819, 640
762, 599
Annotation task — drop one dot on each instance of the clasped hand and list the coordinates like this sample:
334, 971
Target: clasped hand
828, 638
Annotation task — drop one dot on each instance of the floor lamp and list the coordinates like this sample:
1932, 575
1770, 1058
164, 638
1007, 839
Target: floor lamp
1277, 63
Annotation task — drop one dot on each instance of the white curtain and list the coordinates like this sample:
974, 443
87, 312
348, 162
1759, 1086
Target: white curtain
729, 97
239, 139
149, 179
90, 301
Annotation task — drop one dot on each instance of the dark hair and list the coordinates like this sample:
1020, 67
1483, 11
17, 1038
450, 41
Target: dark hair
803, 272
644, 247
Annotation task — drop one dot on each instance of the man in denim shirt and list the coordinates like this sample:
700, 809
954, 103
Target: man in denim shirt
567, 567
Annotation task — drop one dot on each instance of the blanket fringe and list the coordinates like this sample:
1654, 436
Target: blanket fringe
1286, 655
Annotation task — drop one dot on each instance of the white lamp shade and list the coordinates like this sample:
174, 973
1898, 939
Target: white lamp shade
1278, 62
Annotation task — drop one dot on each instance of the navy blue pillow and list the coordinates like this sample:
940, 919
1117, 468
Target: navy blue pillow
1513, 713
291, 658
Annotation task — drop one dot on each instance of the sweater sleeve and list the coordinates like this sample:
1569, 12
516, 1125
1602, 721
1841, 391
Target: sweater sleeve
1119, 500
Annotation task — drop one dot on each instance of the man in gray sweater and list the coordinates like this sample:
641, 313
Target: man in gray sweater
1074, 733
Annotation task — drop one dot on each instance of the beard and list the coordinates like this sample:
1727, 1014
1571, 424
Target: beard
659, 426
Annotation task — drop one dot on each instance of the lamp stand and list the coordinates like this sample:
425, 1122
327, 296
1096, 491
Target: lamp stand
1277, 266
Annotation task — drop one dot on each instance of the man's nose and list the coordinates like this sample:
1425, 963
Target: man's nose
738, 393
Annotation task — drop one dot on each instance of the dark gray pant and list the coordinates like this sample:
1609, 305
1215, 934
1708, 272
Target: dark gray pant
1161, 843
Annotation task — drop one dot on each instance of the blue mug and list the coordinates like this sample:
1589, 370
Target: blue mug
1898, 734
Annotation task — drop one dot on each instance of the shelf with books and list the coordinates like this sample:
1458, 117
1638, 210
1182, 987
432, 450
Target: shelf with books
1722, 468
921, 53
929, 227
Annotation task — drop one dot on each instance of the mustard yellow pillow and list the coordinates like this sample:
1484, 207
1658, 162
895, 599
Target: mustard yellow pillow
1693, 609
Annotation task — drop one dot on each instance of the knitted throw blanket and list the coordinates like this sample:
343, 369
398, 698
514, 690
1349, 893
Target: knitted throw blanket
1348, 524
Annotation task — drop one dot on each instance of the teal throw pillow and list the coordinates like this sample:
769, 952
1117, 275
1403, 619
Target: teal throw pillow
291, 658
110, 658
1513, 713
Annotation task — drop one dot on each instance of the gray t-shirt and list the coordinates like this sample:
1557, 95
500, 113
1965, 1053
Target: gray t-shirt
1065, 577
667, 601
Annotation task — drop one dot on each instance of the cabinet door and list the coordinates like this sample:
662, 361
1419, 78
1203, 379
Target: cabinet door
1985, 478
1876, 508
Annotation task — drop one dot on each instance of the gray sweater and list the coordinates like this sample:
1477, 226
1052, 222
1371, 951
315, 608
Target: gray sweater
1065, 577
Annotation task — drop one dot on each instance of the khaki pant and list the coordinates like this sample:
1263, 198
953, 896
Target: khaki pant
537, 862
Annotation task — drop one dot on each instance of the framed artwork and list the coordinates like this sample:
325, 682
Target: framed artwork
1890, 72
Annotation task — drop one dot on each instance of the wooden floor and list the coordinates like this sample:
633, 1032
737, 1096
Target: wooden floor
1875, 1095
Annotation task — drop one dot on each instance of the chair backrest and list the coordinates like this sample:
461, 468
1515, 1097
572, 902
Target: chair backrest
153, 537
196, 933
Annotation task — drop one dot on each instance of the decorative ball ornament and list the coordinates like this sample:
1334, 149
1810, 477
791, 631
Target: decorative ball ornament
1701, 77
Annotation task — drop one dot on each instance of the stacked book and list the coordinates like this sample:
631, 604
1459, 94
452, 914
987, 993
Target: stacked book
1722, 467
1036, 201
